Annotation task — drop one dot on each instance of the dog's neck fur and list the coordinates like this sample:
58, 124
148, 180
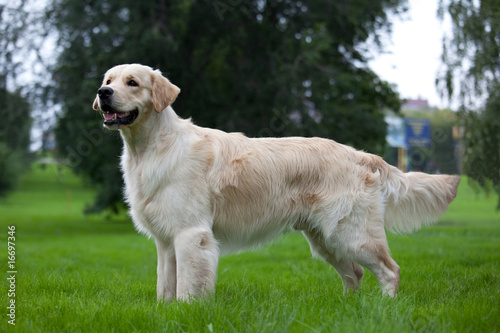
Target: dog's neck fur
146, 134
140, 136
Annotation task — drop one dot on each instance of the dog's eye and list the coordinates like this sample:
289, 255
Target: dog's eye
108, 82
132, 83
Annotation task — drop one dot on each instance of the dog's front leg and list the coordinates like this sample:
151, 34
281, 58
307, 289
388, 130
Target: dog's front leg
197, 255
167, 278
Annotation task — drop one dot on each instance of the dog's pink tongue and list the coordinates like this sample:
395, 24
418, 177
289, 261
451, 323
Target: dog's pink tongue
111, 115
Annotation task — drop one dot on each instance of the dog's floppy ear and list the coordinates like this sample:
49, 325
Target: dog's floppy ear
95, 105
164, 93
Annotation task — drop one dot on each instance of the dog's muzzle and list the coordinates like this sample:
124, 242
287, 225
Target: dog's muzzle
114, 118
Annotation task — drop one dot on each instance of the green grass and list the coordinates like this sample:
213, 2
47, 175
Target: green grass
81, 273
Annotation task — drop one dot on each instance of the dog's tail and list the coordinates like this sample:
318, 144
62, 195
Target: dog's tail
414, 199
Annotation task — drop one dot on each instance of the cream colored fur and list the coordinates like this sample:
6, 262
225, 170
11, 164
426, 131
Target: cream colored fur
200, 192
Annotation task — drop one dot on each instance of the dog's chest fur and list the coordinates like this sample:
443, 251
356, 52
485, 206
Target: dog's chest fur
140, 192
160, 186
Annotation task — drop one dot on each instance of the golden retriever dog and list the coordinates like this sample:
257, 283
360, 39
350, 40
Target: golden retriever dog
200, 192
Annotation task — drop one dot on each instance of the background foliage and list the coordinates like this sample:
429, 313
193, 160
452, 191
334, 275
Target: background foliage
15, 124
14, 138
472, 71
482, 141
18, 28
266, 68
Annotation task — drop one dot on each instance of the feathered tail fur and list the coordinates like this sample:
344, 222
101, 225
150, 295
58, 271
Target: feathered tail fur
415, 199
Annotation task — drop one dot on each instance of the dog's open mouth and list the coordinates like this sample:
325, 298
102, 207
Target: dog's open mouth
112, 118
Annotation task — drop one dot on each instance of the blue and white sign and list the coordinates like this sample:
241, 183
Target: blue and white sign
418, 132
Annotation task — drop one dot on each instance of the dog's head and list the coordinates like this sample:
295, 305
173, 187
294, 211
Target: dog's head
128, 92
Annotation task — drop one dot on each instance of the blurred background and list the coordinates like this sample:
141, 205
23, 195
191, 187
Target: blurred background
427, 99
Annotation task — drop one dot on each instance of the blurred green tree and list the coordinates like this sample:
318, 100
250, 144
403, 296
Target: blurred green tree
15, 113
14, 139
482, 145
267, 68
472, 67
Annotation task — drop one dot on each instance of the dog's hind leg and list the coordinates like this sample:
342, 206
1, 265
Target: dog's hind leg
361, 237
350, 272
375, 256
366, 244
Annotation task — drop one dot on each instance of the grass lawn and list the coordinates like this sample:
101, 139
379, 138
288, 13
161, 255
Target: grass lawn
79, 273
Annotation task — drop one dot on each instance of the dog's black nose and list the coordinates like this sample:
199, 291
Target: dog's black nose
104, 92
